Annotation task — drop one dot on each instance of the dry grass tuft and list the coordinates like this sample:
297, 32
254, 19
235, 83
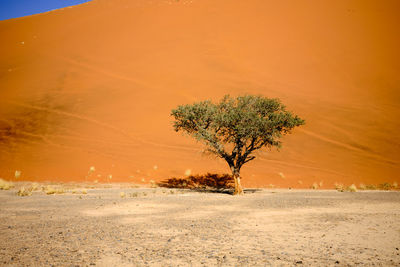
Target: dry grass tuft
28, 190
339, 187
370, 187
342, 188
17, 174
23, 192
314, 186
352, 188
50, 190
92, 169
153, 184
4, 185
35, 186
386, 186
383, 186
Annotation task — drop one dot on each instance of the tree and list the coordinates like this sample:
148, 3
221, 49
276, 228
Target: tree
236, 127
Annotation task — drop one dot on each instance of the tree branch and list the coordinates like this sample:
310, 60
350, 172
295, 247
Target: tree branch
249, 159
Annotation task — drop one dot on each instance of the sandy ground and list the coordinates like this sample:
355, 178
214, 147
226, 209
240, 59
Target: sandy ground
163, 227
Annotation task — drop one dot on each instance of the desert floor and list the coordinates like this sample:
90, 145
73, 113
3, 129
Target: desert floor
163, 227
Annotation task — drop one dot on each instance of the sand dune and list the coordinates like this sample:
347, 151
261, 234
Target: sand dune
94, 85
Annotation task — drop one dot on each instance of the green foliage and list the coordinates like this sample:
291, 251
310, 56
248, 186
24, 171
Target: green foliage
235, 127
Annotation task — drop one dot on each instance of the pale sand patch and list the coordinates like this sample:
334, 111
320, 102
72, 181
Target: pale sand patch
128, 209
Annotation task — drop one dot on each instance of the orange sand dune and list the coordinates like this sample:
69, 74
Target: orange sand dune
93, 85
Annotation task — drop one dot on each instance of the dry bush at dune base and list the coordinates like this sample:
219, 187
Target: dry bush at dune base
28, 190
362, 186
35, 186
5, 185
314, 186
153, 184
339, 187
352, 188
50, 190
342, 188
386, 186
371, 187
24, 192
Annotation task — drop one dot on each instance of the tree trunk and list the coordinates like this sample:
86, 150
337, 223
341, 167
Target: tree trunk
238, 185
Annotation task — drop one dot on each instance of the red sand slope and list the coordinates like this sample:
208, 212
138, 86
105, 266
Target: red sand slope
93, 85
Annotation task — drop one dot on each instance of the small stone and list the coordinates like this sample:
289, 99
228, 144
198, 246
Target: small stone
337, 262
299, 262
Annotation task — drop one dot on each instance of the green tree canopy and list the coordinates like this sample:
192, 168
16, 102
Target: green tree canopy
236, 127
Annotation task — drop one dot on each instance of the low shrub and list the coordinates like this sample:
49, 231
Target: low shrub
23, 192
5, 185
385, 186
352, 188
50, 190
339, 187
370, 187
152, 184
314, 186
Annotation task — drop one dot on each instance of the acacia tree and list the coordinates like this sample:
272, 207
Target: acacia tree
236, 127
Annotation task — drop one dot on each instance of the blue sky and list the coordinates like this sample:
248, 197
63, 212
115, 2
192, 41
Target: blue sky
20, 8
